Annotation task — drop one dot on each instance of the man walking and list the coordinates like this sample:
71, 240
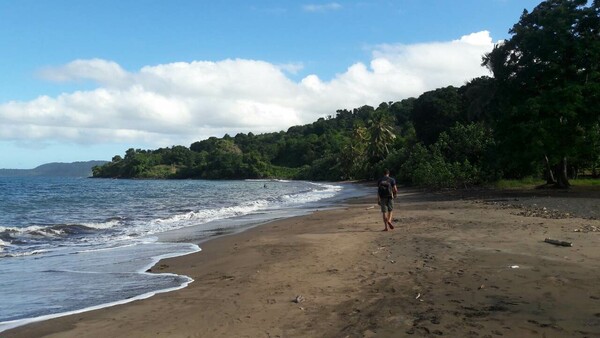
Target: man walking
386, 191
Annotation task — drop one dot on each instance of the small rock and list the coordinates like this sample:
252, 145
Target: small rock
299, 299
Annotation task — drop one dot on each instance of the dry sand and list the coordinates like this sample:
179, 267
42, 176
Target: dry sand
457, 265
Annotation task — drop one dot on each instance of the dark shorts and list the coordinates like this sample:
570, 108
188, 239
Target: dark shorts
387, 204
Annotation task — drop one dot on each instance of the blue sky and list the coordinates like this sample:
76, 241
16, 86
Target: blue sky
86, 80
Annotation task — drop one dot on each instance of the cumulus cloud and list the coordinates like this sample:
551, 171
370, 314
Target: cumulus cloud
332, 6
292, 68
433, 65
98, 70
178, 103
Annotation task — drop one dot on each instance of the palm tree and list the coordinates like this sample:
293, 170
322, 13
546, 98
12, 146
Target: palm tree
381, 134
352, 157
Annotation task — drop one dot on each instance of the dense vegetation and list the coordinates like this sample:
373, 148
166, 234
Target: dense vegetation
537, 116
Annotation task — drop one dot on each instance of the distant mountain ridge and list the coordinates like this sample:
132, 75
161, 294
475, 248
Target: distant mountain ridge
56, 169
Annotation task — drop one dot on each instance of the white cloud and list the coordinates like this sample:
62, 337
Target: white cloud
179, 103
292, 68
97, 70
332, 6
437, 64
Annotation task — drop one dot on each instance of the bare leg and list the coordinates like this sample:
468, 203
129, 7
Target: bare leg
385, 221
389, 220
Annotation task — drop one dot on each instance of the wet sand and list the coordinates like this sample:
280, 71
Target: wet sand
466, 264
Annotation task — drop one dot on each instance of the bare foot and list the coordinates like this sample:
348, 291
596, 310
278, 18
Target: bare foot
385, 229
391, 226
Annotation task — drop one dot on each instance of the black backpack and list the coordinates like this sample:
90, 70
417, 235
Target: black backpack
385, 188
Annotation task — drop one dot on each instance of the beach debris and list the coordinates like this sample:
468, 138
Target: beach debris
227, 277
514, 266
418, 295
557, 242
299, 299
542, 212
588, 228
371, 207
481, 286
521, 209
378, 250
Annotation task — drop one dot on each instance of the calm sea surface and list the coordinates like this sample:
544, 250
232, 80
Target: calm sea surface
73, 244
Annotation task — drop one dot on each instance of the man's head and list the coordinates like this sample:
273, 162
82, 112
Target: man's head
386, 172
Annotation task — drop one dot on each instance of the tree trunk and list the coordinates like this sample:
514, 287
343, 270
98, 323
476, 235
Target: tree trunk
549, 174
573, 172
562, 178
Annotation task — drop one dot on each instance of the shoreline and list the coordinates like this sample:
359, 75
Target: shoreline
12, 324
191, 236
158, 267
445, 269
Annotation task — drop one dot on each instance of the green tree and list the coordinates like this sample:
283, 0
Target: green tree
380, 131
178, 155
593, 148
547, 76
459, 158
352, 158
436, 111
478, 95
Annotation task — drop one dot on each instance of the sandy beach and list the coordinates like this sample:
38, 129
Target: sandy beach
460, 264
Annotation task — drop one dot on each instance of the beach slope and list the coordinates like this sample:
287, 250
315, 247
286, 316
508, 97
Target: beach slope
458, 265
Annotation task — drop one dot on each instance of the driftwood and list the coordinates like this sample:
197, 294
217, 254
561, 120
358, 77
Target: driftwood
557, 242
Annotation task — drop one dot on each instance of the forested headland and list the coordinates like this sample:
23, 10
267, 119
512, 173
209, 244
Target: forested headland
57, 169
537, 115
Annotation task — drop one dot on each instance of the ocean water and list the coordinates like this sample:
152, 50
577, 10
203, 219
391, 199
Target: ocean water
73, 244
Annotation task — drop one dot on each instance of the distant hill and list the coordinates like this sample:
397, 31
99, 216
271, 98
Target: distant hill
75, 169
